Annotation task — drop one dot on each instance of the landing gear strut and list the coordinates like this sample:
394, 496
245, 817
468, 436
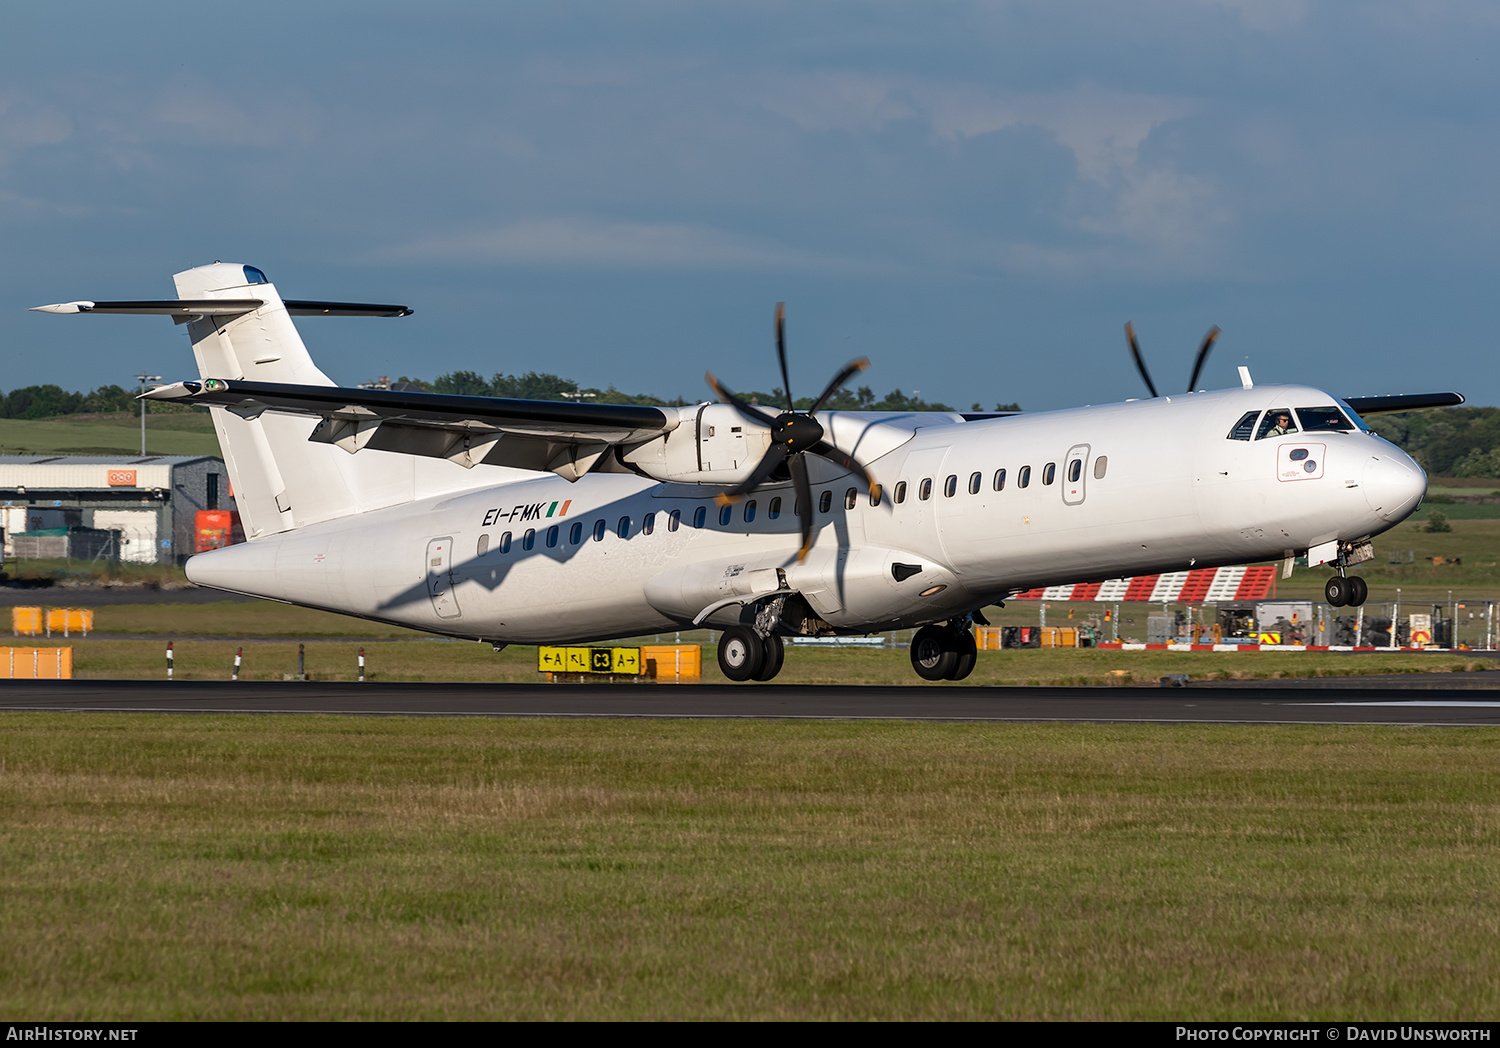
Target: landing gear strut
745, 655
945, 652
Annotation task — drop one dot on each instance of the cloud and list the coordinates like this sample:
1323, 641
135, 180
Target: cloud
26, 123
599, 243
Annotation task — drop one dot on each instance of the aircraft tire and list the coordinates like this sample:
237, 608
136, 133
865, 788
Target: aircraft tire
1359, 591
968, 655
741, 653
1337, 591
775, 656
934, 653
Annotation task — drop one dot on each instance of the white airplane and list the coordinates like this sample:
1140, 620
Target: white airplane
515, 521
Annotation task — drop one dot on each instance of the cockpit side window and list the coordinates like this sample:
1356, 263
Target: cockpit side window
255, 276
1324, 417
1244, 427
1277, 423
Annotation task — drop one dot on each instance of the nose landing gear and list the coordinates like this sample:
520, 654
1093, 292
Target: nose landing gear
1341, 591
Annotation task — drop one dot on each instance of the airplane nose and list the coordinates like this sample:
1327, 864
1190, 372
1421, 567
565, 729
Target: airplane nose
1393, 484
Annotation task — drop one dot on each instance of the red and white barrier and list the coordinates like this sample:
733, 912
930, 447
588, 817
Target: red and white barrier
1117, 646
1201, 586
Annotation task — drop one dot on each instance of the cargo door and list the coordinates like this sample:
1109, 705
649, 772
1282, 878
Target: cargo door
1075, 474
440, 578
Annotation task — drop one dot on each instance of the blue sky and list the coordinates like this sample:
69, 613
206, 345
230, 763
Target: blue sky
976, 196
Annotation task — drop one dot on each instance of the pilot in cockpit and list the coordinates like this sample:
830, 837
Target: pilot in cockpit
1282, 424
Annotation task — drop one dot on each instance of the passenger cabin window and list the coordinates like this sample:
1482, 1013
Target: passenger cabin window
1049, 473
528, 540
674, 520
622, 529
774, 509
925, 491
700, 516
1277, 423
999, 484
950, 486
850, 497
725, 512
575, 533
900, 492
484, 545
1100, 465
825, 502
975, 480
552, 536
1326, 418
749, 511
599, 529
648, 524
505, 543
1244, 427
1075, 470
875, 495
1023, 478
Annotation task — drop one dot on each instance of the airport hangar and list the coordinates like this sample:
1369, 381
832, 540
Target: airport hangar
164, 507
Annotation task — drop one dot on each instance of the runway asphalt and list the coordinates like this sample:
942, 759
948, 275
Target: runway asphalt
1420, 701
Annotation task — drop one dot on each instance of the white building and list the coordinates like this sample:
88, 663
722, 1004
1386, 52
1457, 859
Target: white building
152, 500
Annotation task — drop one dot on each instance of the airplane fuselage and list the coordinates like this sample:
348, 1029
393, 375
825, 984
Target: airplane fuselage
970, 513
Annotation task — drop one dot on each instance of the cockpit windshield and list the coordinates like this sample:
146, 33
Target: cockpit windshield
1323, 418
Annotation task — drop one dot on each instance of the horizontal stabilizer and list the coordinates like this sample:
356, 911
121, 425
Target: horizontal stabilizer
1403, 402
212, 307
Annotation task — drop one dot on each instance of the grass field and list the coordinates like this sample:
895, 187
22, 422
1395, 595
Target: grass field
129, 642
383, 868
170, 433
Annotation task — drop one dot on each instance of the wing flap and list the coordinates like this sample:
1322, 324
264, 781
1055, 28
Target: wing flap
567, 439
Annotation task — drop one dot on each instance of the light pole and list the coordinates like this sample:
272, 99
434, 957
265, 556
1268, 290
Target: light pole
143, 378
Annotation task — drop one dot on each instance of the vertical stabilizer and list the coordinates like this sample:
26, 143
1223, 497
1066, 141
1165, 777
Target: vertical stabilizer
280, 480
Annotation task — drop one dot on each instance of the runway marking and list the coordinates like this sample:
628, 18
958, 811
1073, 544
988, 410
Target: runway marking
1406, 702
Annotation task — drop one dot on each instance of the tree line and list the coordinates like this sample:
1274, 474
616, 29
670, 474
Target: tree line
1448, 442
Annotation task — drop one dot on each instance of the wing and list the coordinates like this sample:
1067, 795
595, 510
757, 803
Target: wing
567, 439
1403, 402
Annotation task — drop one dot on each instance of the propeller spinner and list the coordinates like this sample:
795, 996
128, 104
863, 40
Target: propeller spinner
1140, 363
794, 434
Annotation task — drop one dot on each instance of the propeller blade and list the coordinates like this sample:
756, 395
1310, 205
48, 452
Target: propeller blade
728, 396
851, 369
786, 379
775, 455
804, 504
1140, 364
825, 450
1208, 344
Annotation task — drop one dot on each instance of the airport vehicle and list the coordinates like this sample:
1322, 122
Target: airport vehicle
538, 522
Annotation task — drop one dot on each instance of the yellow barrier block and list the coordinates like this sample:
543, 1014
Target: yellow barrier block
26, 622
672, 662
987, 638
69, 620
37, 663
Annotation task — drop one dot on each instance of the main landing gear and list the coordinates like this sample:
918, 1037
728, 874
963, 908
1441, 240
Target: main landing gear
943, 652
1342, 590
745, 655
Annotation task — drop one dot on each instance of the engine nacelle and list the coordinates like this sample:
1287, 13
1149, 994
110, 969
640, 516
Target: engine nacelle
713, 444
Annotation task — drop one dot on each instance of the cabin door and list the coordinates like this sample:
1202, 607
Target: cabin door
440, 578
1075, 474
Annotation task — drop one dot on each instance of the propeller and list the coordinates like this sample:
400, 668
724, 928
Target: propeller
1140, 363
794, 435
